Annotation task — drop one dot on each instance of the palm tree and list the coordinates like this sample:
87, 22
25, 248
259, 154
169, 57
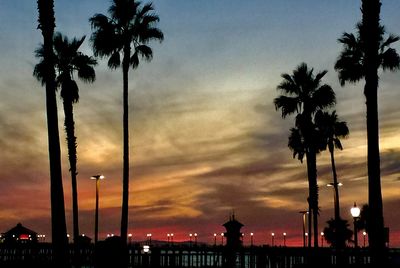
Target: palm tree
125, 34
304, 95
68, 60
332, 130
362, 55
337, 233
58, 226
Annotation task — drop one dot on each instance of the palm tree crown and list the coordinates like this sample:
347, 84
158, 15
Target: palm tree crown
331, 129
350, 64
303, 92
128, 25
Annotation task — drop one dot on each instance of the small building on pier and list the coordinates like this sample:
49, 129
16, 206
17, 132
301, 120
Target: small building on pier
19, 234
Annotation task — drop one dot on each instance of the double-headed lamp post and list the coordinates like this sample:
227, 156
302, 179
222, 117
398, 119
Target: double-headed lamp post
355, 212
96, 219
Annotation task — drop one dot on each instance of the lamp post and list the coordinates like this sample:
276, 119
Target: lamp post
168, 237
149, 238
222, 239
96, 219
172, 238
215, 239
335, 186
273, 238
130, 238
364, 234
304, 213
355, 212
251, 238
322, 239
195, 238
284, 239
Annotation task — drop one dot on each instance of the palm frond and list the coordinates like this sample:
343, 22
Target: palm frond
104, 39
288, 105
39, 72
296, 144
390, 40
323, 97
149, 34
114, 61
145, 52
390, 60
69, 91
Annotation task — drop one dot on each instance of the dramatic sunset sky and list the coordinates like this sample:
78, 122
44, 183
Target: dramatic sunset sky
205, 138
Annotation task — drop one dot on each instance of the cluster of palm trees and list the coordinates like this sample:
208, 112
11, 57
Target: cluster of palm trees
363, 54
125, 33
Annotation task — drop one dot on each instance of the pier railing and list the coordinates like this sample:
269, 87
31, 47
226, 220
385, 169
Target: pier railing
184, 256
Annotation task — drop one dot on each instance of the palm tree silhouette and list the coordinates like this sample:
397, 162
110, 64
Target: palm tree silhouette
129, 25
362, 55
68, 60
58, 225
304, 95
331, 131
337, 233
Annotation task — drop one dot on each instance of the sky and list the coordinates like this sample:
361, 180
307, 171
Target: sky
205, 138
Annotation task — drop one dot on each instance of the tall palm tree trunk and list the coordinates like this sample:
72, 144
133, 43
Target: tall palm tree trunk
335, 184
125, 182
313, 192
370, 35
69, 126
58, 225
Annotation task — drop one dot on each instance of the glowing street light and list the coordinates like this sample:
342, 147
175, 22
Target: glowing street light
335, 186
215, 239
304, 213
195, 238
222, 239
251, 238
273, 238
364, 234
172, 238
284, 239
96, 219
355, 212
130, 238
322, 239
149, 238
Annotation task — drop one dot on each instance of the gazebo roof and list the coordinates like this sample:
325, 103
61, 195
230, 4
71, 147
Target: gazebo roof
233, 223
19, 229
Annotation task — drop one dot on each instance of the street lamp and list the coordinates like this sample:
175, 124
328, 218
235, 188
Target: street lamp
284, 239
273, 238
355, 212
304, 213
168, 237
335, 186
251, 238
215, 239
149, 238
96, 219
222, 239
322, 239
364, 234
195, 238
172, 238
130, 238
